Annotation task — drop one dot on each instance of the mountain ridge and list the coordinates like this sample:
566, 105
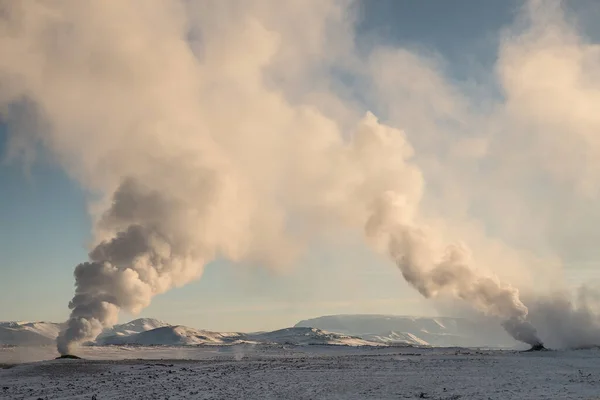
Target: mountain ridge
340, 329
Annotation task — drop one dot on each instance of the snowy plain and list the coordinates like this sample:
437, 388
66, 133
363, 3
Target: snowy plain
334, 357
298, 372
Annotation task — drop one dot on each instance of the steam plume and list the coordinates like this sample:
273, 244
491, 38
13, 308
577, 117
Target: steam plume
209, 129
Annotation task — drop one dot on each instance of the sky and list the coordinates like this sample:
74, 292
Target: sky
46, 228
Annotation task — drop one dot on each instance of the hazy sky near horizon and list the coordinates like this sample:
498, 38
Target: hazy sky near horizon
45, 229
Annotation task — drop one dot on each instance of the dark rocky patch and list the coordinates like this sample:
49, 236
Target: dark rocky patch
68, 357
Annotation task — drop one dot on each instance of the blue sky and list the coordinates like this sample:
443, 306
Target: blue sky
45, 229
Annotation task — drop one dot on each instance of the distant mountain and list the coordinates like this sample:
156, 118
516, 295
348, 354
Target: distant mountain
438, 331
348, 330
185, 336
28, 333
395, 338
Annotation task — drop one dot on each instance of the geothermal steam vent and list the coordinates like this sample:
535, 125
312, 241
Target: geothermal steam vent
537, 347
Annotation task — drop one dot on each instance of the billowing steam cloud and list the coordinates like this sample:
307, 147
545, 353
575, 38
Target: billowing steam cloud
212, 130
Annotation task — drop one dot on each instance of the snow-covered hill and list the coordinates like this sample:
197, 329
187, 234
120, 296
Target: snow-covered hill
172, 336
16, 333
28, 333
302, 336
130, 328
438, 331
185, 336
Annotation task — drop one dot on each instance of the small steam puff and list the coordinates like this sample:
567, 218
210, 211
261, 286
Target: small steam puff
411, 250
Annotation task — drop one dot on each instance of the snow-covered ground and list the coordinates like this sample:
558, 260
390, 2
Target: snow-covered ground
300, 372
334, 357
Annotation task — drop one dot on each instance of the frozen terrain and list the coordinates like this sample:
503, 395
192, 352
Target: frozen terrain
300, 372
334, 357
